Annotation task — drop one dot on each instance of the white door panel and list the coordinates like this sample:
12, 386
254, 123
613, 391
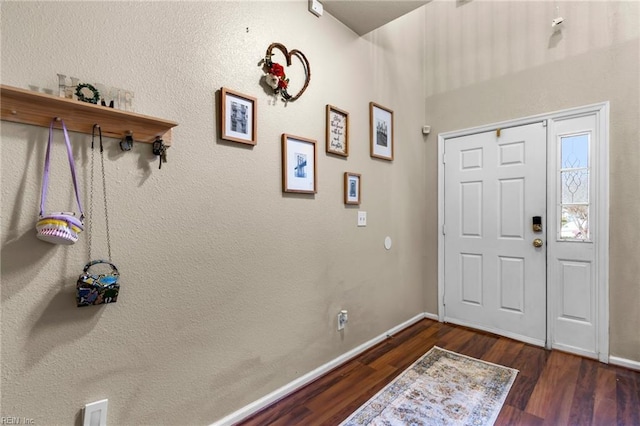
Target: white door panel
572, 256
494, 185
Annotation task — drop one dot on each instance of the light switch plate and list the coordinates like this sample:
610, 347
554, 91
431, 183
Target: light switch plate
95, 414
362, 218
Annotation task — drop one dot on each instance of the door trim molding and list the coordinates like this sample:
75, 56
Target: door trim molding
602, 257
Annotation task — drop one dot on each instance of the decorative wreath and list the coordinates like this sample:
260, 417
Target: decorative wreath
83, 98
276, 77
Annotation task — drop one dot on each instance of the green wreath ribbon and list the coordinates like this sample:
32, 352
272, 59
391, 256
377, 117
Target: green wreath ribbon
83, 98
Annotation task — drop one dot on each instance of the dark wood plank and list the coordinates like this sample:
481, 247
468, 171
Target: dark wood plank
513, 416
584, 398
503, 352
297, 416
346, 401
551, 388
530, 363
455, 339
628, 398
553, 395
478, 345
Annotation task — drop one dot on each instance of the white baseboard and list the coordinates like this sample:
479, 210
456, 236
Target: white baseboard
431, 316
291, 387
623, 362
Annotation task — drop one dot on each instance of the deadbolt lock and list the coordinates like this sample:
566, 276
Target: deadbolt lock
536, 223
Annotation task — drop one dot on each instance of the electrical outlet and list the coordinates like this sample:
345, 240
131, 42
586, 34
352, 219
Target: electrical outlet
342, 320
95, 414
362, 218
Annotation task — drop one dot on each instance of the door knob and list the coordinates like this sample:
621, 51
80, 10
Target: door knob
537, 242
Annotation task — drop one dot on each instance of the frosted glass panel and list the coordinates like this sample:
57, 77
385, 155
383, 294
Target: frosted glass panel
575, 222
575, 186
575, 152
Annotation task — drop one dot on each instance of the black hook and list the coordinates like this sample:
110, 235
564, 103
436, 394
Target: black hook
127, 142
159, 148
93, 135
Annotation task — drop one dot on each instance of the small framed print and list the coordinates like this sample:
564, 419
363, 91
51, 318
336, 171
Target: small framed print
381, 131
337, 131
299, 165
239, 117
352, 188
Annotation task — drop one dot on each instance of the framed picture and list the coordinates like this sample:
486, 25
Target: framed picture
337, 131
239, 117
351, 188
381, 131
299, 165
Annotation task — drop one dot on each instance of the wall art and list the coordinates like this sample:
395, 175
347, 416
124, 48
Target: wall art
352, 186
381, 131
299, 165
239, 117
275, 75
337, 131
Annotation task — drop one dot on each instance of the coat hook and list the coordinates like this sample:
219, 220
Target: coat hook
127, 142
159, 148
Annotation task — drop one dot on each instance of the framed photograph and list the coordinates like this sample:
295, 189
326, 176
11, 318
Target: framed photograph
337, 131
299, 165
381, 131
239, 117
351, 188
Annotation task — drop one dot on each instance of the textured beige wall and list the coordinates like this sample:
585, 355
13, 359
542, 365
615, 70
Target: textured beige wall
230, 289
494, 61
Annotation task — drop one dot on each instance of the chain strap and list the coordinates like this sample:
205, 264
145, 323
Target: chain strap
104, 191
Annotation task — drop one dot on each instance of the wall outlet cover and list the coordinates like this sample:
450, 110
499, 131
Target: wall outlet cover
95, 413
362, 218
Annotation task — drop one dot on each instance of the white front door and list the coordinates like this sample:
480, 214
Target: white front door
495, 278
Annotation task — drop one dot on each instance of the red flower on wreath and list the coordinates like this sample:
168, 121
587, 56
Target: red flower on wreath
277, 70
276, 78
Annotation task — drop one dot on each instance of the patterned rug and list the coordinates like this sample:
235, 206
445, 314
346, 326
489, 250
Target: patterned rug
441, 388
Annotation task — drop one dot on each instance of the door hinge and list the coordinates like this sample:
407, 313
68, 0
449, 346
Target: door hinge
444, 158
444, 229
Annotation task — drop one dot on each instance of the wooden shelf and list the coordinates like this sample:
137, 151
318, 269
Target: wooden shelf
28, 107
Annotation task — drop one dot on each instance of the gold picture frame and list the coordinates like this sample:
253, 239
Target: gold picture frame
381, 132
238, 117
299, 165
352, 188
337, 131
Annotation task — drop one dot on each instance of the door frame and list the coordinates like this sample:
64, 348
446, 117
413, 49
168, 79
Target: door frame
601, 111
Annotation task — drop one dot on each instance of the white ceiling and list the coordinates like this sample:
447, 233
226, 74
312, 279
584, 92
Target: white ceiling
363, 16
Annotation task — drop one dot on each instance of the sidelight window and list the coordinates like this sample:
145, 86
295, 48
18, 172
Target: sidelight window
574, 187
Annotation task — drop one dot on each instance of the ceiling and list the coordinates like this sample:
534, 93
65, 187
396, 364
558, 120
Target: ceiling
363, 16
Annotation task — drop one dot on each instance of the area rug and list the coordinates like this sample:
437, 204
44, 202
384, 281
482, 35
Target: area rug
441, 388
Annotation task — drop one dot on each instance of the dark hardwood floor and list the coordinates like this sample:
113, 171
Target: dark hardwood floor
552, 387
